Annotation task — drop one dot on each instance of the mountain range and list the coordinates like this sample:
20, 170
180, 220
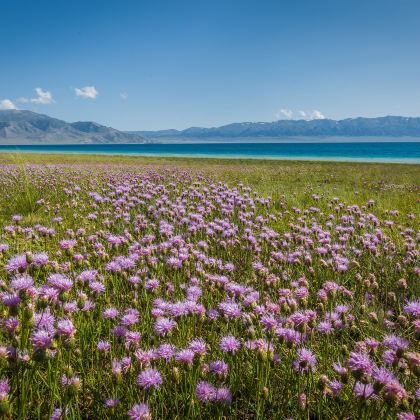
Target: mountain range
26, 127
390, 126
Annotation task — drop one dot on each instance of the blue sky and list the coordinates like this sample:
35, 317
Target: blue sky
174, 64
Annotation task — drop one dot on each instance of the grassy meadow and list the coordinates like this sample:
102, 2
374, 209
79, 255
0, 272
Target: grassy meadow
186, 288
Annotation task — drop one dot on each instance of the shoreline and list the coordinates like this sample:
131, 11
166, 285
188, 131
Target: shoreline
214, 157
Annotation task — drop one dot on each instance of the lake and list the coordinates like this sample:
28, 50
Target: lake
403, 152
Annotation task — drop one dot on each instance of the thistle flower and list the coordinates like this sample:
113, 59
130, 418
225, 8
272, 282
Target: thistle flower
198, 346
360, 364
305, 361
150, 378
4, 389
17, 264
103, 346
413, 308
164, 326
205, 392
139, 412
60, 282
21, 283
223, 395
111, 402
41, 339
406, 415
229, 344
364, 391
66, 329
59, 413
219, 367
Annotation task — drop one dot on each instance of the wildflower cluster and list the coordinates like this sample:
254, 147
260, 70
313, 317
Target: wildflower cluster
134, 293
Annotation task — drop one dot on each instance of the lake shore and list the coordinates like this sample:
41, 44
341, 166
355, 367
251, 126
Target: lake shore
403, 152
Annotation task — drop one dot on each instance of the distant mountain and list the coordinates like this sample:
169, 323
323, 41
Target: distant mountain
26, 127
351, 127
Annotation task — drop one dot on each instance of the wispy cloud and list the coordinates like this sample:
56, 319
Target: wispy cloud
7, 104
43, 97
87, 92
317, 115
284, 114
288, 114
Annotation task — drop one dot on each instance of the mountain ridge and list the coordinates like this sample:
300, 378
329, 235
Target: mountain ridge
389, 126
27, 127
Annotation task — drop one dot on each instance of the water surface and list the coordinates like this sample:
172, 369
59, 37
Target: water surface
403, 152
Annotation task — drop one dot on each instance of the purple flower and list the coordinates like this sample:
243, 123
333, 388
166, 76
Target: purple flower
205, 392
389, 357
219, 367
40, 259
21, 283
229, 344
394, 342
394, 391
11, 300
110, 313
231, 310
339, 369
413, 308
406, 415
325, 327
97, 287
166, 351
4, 389
111, 402
360, 364
17, 264
305, 361
185, 356
67, 244
382, 375
364, 391
223, 395
66, 328
139, 412
59, 413
335, 386
150, 378
130, 318
198, 346
164, 326
41, 339
60, 282
103, 346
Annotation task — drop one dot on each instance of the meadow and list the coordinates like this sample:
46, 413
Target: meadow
172, 288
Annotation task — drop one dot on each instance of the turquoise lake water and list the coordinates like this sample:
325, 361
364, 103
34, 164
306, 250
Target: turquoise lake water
405, 152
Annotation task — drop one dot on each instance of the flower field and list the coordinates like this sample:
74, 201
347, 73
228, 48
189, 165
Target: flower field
173, 292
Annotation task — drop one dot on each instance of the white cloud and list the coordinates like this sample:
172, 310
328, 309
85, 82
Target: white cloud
44, 97
124, 95
87, 92
284, 114
302, 115
7, 104
317, 115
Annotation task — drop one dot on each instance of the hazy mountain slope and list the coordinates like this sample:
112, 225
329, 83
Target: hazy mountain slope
390, 126
26, 127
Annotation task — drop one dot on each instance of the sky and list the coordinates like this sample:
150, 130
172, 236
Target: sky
146, 65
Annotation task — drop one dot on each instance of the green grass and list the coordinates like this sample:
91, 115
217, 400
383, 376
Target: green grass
34, 187
396, 186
